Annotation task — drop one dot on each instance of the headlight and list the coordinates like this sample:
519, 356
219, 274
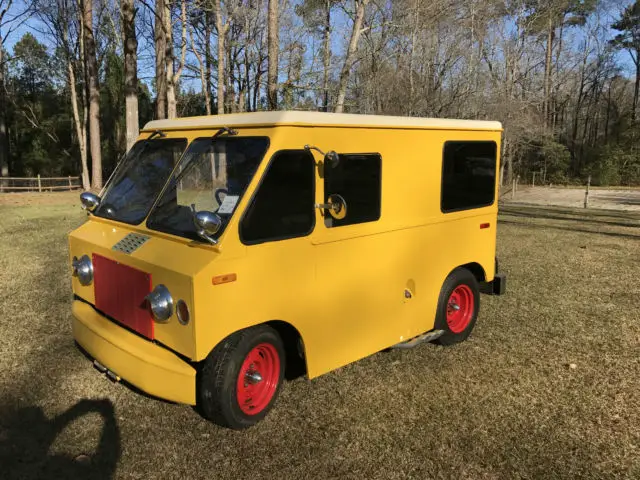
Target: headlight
83, 269
161, 304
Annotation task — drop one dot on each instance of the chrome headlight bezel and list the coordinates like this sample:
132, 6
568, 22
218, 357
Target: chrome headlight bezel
83, 270
161, 303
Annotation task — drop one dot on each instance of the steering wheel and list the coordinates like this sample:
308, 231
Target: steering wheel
217, 194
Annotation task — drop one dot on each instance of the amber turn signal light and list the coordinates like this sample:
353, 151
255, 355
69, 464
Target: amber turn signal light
226, 278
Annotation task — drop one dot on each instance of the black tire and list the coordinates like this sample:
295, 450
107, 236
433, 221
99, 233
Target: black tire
217, 381
460, 280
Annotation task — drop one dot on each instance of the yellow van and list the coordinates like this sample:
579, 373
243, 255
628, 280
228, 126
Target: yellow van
226, 251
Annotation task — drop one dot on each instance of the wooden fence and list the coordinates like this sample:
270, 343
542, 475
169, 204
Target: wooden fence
39, 184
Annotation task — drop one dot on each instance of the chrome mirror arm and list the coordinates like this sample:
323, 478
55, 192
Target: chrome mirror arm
308, 148
204, 235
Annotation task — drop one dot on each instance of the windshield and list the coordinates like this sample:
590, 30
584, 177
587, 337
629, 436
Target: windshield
212, 176
139, 180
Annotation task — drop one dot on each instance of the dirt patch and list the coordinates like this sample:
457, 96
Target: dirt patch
47, 198
612, 199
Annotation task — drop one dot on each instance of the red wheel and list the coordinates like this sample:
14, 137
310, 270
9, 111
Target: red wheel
460, 308
240, 379
258, 379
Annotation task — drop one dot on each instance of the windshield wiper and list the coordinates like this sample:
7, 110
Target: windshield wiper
224, 130
156, 133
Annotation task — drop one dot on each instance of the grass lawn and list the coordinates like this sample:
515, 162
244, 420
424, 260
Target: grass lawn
548, 385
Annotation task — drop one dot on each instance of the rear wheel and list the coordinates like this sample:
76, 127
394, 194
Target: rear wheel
458, 307
241, 377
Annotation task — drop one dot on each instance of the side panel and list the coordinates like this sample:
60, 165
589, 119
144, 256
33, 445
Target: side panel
344, 288
367, 271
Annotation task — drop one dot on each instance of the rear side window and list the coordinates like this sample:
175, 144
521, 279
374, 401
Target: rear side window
284, 205
468, 175
356, 178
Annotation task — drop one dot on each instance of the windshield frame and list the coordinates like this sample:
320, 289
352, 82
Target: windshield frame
192, 235
115, 176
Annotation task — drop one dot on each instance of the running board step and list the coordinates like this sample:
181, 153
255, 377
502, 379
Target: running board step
425, 337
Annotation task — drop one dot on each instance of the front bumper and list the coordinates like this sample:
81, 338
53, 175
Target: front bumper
141, 363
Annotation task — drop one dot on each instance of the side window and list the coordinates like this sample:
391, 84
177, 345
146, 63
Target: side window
358, 179
283, 206
468, 175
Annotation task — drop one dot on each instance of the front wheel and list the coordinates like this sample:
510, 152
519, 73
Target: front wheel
241, 378
458, 307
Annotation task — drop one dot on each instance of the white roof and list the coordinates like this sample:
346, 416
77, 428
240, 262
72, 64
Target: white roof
319, 119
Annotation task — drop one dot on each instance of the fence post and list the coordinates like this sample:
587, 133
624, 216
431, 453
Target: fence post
70, 183
533, 183
586, 193
513, 189
39, 184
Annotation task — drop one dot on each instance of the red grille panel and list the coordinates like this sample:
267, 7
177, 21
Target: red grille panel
120, 292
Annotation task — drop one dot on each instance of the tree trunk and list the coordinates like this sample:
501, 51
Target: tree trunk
80, 124
351, 53
4, 139
636, 89
207, 58
221, 28
203, 75
547, 71
81, 133
94, 93
83, 98
326, 47
169, 60
247, 78
130, 71
160, 40
273, 49
174, 78
412, 56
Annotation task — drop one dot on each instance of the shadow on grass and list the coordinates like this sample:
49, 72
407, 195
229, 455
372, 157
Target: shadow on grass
537, 210
621, 199
569, 229
27, 435
559, 215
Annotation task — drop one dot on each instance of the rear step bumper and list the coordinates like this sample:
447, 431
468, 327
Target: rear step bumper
141, 363
498, 286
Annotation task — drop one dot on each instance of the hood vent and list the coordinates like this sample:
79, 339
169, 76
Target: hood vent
130, 243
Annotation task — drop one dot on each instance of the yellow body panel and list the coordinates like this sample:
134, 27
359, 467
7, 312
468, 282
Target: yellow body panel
343, 289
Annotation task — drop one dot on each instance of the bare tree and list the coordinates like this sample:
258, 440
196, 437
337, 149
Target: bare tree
130, 71
4, 142
222, 27
350, 56
160, 44
5, 30
174, 78
93, 93
274, 48
202, 69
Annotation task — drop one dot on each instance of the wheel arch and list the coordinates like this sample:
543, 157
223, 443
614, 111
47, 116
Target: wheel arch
296, 364
476, 269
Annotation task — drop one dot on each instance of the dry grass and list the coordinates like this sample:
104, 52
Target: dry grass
505, 404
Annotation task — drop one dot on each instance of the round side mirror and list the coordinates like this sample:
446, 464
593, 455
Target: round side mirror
207, 223
338, 208
332, 159
89, 201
